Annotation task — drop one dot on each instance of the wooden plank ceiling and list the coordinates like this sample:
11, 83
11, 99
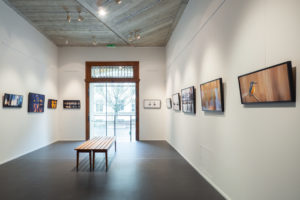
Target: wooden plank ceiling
154, 20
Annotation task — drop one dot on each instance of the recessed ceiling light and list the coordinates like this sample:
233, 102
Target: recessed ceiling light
102, 11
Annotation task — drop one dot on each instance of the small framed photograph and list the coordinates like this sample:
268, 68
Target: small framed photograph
71, 104
36, 103
152, 104
12, 101
176, 102
169, 103
188, 100
52, 103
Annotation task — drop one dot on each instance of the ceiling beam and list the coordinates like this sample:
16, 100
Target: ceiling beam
93, 12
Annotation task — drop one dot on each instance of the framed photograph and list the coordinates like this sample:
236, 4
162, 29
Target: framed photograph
36, 103
12, 101
71, 104
268, 85
169, 103
188, 100
52, 103
176, 101
212, 96
152, 104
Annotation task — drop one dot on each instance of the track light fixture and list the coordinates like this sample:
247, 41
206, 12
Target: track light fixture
80, 18
133, 36
69, 17
118, 1
94, 41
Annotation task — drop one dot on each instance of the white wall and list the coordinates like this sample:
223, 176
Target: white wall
28, 63
248, 152
72, 86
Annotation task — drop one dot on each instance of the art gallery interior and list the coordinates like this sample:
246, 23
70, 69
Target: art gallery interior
149, 99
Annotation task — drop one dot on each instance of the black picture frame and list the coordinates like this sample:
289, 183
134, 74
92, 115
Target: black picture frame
36, 103
71, 104
290, 84
176, 105
52, 103
12, 101
221, 101
188, 99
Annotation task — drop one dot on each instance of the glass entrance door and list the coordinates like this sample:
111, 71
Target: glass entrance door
112, 110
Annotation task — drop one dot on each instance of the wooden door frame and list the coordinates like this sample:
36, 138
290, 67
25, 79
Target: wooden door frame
89, 79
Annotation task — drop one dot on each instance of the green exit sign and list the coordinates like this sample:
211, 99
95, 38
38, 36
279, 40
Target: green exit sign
111, 45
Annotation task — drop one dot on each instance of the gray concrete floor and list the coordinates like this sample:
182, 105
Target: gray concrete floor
140, 170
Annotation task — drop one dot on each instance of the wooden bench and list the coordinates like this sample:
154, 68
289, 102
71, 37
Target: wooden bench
96, 145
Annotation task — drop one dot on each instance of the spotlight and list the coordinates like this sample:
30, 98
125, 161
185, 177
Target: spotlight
94, 41
133, 36
102, 11
118, 1
138, 36
68, 18
80, 18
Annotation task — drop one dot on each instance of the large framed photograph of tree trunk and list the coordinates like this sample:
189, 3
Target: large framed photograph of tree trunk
212, 96
268, 85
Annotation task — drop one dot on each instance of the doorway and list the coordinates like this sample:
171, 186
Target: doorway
112, 110
112, 100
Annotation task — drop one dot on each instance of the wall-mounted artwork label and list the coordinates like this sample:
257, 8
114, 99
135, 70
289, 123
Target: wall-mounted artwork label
36, 103
212, 96
169, 103
12, 101
152, 104
176, 102
188, 100
71, 104
52, 103
272, 84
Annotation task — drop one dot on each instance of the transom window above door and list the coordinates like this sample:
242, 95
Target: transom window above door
112, 72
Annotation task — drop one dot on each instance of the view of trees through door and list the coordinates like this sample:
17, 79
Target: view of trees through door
112, 110
112, 100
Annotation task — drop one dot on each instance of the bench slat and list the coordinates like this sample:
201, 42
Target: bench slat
97, 143
102, 145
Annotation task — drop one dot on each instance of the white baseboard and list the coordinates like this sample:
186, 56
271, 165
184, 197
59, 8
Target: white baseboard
202, 174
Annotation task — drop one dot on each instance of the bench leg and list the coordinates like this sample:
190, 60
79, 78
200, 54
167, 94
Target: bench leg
94, 159
90, 154
77, 160
106, 162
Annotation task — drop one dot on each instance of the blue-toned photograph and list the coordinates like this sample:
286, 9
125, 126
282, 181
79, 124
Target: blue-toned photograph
12, 101
36, 103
